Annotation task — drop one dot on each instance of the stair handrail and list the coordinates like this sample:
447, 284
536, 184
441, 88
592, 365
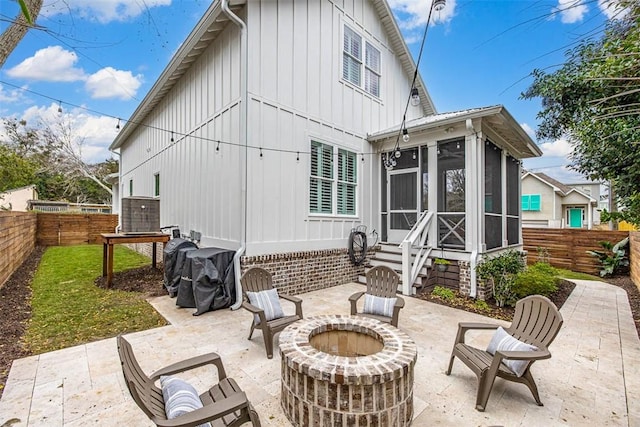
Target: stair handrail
416, 238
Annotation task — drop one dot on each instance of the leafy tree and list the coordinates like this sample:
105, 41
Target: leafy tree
594, 101
49, 156
15, 170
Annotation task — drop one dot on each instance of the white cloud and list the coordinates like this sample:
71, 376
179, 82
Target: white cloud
412, 14
559, 148
612, 9
529, 130
94, 132
571, 11
111, 83
52, 64
103, 11
10, 96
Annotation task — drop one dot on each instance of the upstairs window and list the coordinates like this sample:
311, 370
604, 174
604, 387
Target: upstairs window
353, 66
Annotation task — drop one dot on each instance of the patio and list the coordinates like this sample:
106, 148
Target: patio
593, 377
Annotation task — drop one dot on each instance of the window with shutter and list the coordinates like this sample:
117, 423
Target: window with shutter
353, 66
372, 70
325, 184
346, 182
531, 202
352, 56
525, 202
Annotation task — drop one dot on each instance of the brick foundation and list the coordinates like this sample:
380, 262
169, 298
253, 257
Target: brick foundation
299, 272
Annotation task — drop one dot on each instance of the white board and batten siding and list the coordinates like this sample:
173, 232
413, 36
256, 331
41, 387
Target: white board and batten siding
199, 185
295, 94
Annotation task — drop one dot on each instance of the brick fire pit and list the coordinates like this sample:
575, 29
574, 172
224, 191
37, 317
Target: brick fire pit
343, 370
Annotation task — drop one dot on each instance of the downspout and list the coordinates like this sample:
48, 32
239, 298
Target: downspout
119, 226
243, 143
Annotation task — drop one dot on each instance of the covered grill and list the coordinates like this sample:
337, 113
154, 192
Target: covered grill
174, 255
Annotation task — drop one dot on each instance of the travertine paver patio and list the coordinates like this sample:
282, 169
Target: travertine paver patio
593, 377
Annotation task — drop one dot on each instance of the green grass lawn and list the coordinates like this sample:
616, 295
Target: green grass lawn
69, 309
568, 274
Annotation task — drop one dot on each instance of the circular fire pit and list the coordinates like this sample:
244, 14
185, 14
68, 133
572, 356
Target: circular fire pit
346, 370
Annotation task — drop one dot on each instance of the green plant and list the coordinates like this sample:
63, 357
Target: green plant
538, 279
613, 258
481, 305
443, 293
441, 261
501, 270
543, 254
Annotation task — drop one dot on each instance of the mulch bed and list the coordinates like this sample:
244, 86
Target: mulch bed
15, 308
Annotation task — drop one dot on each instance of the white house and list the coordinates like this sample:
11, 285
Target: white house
546, 202
17, 199
270, 129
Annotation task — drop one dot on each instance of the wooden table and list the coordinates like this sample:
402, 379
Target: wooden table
108, 240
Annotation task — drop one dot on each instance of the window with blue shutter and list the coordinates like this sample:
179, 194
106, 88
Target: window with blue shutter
531, 202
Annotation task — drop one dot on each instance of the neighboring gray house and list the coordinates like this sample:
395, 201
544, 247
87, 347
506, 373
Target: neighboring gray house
546, 202
269, 130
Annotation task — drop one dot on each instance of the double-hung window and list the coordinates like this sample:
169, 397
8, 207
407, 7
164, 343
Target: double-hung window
332, 181
354, 66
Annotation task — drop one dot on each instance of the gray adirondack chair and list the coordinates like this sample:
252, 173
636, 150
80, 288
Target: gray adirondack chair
224, 404
382, 282
258, 279
536, 321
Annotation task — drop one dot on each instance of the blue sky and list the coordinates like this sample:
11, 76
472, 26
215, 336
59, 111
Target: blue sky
105, 55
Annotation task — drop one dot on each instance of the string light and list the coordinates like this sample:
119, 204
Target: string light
260, 152
405, 135
59, 106
172, 140
118, 124
297, 156
218, 146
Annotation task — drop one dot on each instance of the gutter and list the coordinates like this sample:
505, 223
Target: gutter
244, 87
119, 226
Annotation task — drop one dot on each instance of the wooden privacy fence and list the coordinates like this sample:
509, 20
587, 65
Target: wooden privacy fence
17, 240
567, 248
60, 229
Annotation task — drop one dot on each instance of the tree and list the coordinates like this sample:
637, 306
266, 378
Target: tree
593, 100
54, 153
15, 170
9, 39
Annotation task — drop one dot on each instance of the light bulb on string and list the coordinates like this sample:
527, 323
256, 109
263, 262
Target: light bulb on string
397, 154
415, 97
405, 135
118, 124
59, 106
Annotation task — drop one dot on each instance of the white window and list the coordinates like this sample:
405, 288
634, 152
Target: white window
327, 184
353, 66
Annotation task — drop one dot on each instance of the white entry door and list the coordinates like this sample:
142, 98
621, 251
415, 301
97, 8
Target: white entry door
403, 199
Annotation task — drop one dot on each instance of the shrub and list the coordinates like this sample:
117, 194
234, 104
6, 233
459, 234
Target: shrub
538, 279
444, 293
502, 271
481, 305
613, 258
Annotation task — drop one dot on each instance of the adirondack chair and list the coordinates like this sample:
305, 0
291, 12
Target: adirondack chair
258, 279
536, 322
382, 282
225, 404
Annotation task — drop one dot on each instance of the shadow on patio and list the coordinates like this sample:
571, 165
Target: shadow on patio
593, 377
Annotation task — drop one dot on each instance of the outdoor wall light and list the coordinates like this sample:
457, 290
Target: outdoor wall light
415, 97
405, 135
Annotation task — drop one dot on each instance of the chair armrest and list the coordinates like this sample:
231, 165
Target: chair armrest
192, 363
255, 310
297, 301
463, 327
209, 412
399, 302
353, 299
524, 355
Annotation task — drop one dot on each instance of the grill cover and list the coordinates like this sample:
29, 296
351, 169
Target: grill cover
173, 260
208, 280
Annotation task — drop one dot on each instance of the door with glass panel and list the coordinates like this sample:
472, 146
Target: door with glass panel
403, 196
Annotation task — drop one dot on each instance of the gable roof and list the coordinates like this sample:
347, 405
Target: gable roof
497, 117
563, 189
213, 22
